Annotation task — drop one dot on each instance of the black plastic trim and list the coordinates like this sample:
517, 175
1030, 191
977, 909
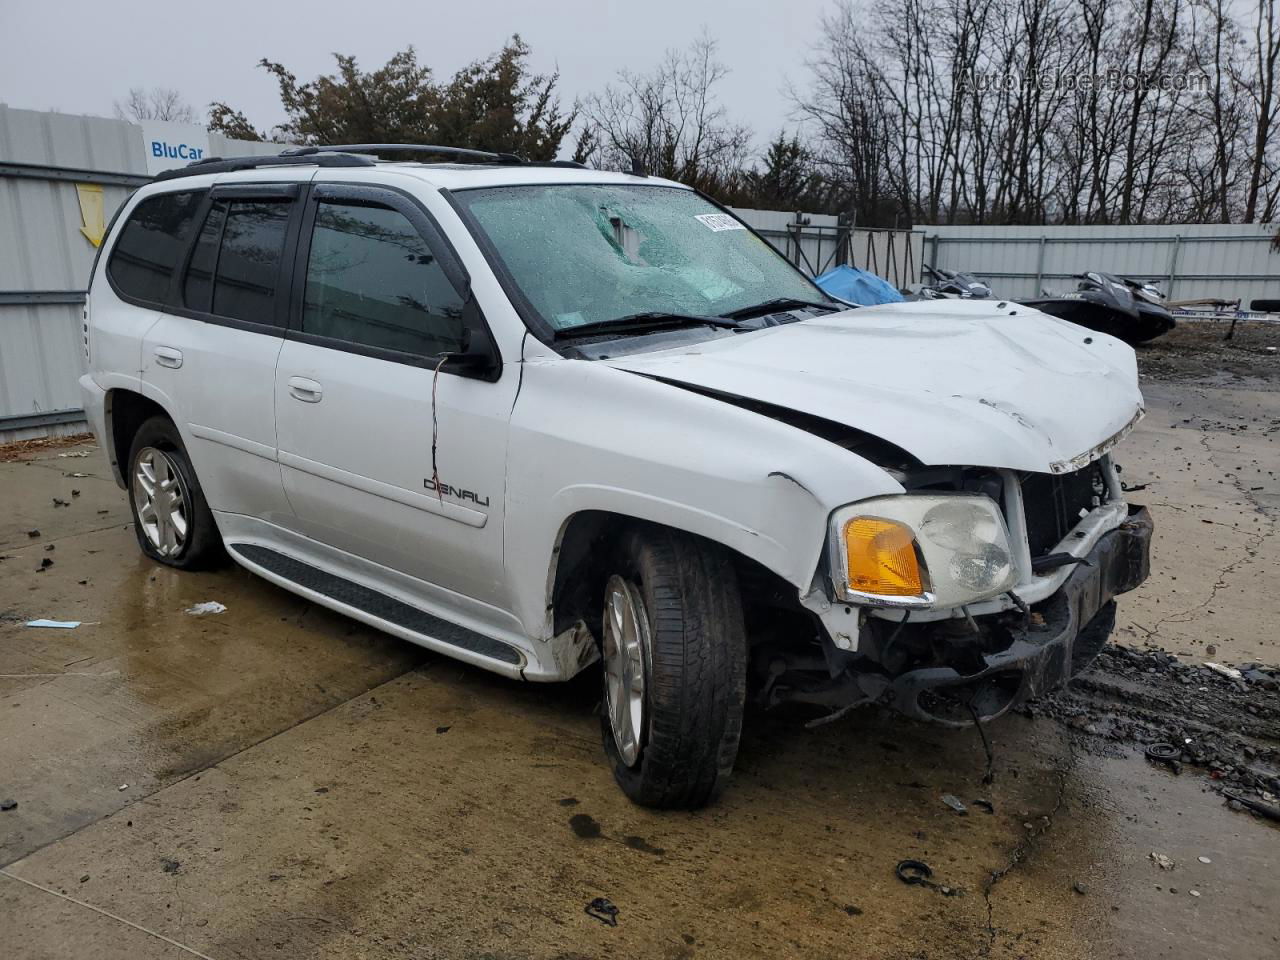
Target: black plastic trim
376, 604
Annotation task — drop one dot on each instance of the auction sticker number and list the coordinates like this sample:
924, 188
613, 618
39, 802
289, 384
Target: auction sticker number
717, 222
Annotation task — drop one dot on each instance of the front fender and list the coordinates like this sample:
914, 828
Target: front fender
585, 436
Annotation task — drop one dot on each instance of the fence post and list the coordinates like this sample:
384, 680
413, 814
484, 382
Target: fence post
1173, 265
1040, 268
934, 257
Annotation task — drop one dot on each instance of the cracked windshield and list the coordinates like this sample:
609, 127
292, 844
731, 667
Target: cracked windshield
594, 253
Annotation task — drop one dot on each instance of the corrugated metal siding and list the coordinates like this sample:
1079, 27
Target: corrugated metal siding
42, 250
1189, 261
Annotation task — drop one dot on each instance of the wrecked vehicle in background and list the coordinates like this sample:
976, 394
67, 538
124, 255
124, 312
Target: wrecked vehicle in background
533, 416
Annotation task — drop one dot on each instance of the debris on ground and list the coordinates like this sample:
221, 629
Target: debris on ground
1080, 888
1230, 673
59, 502
8, 804
45, 564
917, 873
604, 910
1268, 810
1179, 714
955, 803
55, 624
1161, 860
170, 866
209, 606
1204, 859
33, 534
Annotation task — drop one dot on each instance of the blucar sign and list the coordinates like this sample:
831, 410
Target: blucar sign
168, 145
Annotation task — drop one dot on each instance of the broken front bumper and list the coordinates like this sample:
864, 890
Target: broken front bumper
1076, 624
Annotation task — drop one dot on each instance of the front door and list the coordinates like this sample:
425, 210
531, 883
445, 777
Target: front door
385, 454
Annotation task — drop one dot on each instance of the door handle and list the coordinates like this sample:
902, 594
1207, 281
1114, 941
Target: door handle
308, 391
168, 357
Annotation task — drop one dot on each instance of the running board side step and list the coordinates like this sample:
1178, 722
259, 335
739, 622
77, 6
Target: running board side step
348, 594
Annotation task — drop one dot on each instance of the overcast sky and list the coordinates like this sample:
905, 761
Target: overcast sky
78, 56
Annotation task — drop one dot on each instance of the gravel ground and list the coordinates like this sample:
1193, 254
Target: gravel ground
1197, 350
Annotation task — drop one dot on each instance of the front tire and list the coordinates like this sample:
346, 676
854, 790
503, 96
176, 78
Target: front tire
675, 664
171, 519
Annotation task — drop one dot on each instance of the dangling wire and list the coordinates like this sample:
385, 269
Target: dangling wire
435, 430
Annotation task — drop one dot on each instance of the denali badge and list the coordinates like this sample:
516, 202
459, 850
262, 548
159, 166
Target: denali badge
446, 490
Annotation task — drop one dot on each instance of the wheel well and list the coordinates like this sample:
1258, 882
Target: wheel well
126, 412
577, 587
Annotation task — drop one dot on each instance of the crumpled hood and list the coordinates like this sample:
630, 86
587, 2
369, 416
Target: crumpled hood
950, 381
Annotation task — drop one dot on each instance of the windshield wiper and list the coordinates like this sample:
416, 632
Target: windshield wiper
638, 322
775, 306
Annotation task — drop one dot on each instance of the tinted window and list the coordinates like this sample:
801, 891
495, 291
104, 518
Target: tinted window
150, 244
198, 285
248, 266
372, 280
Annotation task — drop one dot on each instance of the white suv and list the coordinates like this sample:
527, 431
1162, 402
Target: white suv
533, 415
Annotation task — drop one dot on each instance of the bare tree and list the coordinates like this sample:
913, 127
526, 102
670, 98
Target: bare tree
669, 120
158, 103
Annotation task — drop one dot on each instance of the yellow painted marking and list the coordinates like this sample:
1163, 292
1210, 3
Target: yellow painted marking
90, 195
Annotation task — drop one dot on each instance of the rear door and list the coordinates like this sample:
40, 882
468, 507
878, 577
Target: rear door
386, 453
213, 352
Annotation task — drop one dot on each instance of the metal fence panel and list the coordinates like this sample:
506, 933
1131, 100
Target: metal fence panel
45, 257
1188, 261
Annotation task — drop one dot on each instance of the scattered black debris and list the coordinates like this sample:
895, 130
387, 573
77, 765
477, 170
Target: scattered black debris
986, 805
45, 563
50, 546
104, 511
444, 729
918, 873
643, 845
170, 866
1080, 888
33, 534
584, 826
603, 909
8, 804
1226, 726
568, 801
1165, 753
59, 502
75, 493
955, 803
852, 911
1268, 810
85, 878
322, 790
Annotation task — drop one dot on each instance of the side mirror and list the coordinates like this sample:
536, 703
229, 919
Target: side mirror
475, 358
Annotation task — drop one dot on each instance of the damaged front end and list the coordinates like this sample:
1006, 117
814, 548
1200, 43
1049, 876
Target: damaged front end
1044, 557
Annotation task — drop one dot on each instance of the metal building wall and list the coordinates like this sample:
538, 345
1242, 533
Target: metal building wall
1226, 261
45, 258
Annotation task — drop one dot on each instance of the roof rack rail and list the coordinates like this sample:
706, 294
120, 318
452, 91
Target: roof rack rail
229, 164
430, 148
439, 150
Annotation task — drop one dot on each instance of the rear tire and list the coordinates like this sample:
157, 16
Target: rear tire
673, 742
171, 518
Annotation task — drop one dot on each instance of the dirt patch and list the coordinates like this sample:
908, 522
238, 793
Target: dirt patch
1198, 350
30, 449
1225, 727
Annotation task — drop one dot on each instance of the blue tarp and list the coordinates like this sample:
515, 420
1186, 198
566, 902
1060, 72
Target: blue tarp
858, 286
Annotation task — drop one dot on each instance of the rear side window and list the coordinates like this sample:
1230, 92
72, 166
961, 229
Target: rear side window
235, 267
150, 244
373, 280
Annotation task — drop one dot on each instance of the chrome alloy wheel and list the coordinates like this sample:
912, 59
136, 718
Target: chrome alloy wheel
626, 655
160, 499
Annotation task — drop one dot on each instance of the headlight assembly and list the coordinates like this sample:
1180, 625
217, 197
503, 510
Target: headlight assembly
916, 550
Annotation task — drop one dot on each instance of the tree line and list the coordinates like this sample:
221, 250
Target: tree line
908, 111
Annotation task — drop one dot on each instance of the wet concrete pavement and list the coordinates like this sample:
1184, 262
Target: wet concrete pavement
299, 785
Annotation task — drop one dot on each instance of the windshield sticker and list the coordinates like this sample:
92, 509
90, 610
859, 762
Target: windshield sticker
716, 222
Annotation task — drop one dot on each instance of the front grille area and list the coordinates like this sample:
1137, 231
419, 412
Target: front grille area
1053, 503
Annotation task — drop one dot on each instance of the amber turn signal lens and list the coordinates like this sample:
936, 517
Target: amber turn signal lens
881, 558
